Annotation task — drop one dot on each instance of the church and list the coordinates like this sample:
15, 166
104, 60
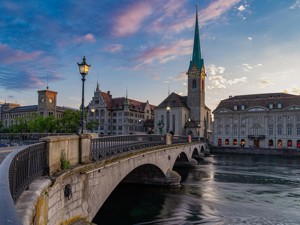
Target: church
187, 115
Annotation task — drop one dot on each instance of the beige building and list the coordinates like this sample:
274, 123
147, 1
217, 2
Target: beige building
183, 115
119, 116
11, 113
260, 120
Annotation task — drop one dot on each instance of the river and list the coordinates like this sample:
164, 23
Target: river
222, 189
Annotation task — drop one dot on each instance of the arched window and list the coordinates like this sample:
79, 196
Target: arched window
298, 143
202, 87
279, 143
102, 113
289, 143
243, 143
226, 141
234, 142
271, 143
219, 142
194, 84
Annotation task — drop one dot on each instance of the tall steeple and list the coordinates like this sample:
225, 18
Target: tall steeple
196, 59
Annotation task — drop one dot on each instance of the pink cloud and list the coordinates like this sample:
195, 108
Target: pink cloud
9, 55
131, 19
181, 76
166, 53
86, 38
216, 9
114, 48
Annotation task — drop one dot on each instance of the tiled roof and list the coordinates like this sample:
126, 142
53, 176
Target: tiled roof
262, 100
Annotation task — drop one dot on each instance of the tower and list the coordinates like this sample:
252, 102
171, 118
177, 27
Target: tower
196, 81
47, 102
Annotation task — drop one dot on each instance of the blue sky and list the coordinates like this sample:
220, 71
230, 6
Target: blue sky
144, 46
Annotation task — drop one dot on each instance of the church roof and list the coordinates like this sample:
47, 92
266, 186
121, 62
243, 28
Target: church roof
174, 100
262, 100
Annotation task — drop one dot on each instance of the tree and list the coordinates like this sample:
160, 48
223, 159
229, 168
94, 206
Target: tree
69, 122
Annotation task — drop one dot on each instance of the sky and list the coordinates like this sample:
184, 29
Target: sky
143, 47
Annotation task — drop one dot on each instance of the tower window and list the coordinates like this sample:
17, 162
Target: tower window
194, 84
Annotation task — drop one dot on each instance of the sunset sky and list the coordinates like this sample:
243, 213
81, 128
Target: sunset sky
144, 46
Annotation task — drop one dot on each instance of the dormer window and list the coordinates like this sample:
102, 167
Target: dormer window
271, 106
235, 107
279, 105
242, 107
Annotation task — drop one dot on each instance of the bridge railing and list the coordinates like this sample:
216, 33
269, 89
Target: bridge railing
17, 171
106, 146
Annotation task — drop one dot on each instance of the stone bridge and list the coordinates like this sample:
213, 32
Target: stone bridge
77, 193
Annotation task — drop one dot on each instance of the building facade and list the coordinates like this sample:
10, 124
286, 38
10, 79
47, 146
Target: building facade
119, 116
260, 120
184, 115
12, 113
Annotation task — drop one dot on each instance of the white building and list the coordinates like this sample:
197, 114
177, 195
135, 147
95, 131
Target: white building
260, 120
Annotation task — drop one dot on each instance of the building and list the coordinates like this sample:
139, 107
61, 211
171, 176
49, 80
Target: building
183, 115
260, 120
119, 116
11, 113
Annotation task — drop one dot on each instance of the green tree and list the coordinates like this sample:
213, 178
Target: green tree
69, 122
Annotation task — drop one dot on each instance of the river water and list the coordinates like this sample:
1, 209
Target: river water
222, 189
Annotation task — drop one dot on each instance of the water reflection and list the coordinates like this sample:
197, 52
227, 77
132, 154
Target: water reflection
222, 189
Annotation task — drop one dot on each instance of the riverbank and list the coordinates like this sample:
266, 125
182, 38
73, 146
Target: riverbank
256, 151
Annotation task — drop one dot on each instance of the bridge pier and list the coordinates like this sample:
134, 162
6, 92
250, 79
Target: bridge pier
191, 163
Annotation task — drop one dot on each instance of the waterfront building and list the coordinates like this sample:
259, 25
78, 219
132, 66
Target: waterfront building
119, 116
12, 113
260, 120
187, 115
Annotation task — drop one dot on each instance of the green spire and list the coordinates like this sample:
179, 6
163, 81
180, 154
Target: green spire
196, 60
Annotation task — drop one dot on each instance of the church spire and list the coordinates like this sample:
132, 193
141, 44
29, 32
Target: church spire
196, 59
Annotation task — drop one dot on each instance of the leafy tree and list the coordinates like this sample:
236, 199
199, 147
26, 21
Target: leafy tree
69, 122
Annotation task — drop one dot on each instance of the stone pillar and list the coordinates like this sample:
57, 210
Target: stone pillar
169, 139
85, 148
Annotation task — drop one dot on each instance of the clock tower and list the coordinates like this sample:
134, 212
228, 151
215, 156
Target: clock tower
196, 82
47, 102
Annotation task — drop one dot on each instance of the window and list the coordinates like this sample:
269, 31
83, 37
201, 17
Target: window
289, 130
220, 142
119, 127
279, 143
279, 118
114, 114
227, 142
271, 131
242, 107
271, 143
227, 130
298, 130
289, 143
298, 143
235, 131
256, 131
242, 143
234, 142
194, 84
243, 130
173, 123
279, 105
279, 130
235, 107
271, 106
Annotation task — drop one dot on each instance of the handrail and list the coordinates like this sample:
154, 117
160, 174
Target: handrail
17, 171
103, 147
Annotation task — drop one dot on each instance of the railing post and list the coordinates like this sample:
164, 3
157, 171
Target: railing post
85, 155
169, 139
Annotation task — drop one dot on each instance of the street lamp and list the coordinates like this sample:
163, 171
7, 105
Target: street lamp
83, 70
168, 119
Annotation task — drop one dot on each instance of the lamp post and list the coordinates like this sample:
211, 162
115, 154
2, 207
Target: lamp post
168, 119
83, 70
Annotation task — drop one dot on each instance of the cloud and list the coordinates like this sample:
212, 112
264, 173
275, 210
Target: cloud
165, 53
241, 8
86, 38
10, 56
213, 70
216, 9
247, 67
264, 82
295, 5
131, 19
250, 38
113, 48
294, 90
181, 76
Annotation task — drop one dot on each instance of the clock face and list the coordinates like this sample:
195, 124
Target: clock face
42, 100
194, 72
50, 100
